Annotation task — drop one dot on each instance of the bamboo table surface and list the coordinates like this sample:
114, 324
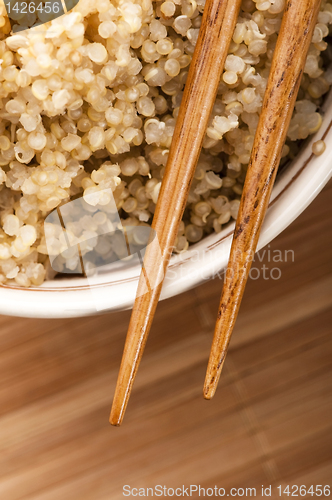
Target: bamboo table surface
271, 415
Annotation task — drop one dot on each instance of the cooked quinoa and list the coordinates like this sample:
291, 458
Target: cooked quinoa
89, 101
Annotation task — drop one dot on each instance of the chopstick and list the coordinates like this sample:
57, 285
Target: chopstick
287, 67
218, 24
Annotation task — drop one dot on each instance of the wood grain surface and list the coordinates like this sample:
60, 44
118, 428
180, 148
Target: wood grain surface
271, 414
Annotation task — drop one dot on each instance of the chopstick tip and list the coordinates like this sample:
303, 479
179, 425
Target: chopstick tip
114, 424
212, 377
116, 417
209, 389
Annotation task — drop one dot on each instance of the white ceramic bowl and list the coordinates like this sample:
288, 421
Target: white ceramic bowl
294, 190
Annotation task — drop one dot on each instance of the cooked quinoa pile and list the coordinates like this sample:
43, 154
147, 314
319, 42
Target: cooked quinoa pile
89, 101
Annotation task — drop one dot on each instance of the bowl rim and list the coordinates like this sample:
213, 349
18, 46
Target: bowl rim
296, 186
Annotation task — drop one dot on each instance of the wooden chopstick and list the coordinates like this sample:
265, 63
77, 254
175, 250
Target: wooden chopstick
218, 24
288, 62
